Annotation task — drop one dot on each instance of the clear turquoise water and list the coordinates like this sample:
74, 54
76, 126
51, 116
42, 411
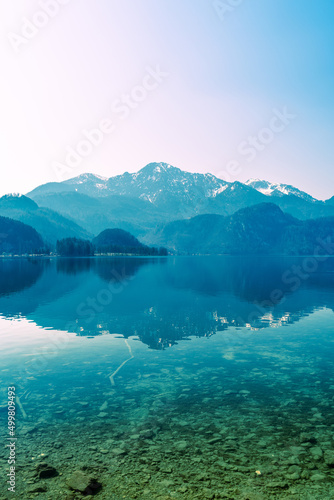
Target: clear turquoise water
132, 367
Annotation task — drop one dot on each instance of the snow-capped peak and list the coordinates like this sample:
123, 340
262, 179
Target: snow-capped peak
276, 189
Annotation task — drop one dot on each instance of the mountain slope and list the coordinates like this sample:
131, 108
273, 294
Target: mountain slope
301, 208
165, 187
293, 201
119, 241
151, 183
96, 214
17, 201
111, 237
16, 237
262, 228
233, 198
50, 224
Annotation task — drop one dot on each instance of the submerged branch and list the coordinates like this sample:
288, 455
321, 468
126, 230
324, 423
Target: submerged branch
111, 377
19, 404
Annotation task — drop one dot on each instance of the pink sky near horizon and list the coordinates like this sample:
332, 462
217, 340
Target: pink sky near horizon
226, 81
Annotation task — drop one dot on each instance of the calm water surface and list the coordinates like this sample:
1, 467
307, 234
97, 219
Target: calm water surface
188, 377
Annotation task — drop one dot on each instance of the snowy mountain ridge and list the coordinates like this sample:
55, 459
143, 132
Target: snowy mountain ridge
276, 189
171, 188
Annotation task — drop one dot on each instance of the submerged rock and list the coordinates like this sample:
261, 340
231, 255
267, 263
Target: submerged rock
316, 452
118, 451
329, 457
280, 485
181, 445
46, 471
214, 440
102, 414
37, 489
79, 481
146, 433
318, 477
307, 437
294, 469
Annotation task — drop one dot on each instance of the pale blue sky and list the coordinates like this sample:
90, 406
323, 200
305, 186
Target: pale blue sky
227, 74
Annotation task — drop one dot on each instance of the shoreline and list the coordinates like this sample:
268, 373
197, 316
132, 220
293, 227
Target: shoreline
37, 256
113, 255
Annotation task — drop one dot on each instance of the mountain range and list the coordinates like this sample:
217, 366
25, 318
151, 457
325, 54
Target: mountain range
160, 193
260, 229
153, 203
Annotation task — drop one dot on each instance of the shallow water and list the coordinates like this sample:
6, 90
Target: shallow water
170, 378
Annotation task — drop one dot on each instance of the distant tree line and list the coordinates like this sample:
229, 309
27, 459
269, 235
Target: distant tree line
142, 250
74, 247
23, 249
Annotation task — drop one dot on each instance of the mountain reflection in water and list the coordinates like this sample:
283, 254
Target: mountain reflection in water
162, 300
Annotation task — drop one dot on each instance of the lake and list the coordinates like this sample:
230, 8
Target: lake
177, 377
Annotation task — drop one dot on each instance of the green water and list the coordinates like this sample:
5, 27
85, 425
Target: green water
170, 378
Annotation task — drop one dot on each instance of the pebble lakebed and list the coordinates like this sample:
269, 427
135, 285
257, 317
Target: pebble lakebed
189, 431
